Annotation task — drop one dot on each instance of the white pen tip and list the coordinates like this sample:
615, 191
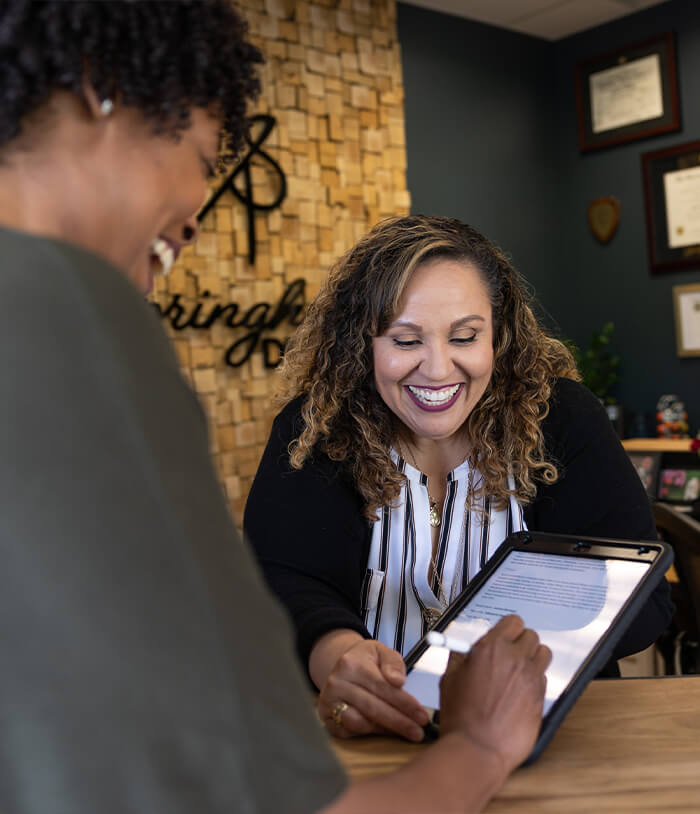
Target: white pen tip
432, 637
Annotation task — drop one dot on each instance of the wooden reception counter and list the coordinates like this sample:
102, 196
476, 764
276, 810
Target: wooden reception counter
627, 745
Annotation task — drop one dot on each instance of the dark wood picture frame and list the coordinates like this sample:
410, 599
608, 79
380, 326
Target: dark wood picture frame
662, 46
662, 257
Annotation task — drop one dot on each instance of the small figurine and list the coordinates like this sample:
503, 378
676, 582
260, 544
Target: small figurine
671, 418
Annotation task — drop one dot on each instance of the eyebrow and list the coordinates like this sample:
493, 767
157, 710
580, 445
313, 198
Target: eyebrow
458, 323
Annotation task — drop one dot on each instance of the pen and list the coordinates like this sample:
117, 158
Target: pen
440, 640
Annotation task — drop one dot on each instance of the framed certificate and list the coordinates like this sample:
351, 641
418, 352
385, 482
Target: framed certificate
672, 201
686, 307
627, 94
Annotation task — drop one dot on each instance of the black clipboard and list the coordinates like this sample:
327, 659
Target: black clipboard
525, 575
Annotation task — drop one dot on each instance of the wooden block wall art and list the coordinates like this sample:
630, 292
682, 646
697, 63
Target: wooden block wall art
332, 80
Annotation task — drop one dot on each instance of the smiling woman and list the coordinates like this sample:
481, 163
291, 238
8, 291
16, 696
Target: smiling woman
107, 132
427, 416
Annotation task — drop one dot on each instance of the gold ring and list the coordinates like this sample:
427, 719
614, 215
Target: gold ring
337, 712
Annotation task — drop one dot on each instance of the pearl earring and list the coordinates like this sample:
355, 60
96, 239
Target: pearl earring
106, 107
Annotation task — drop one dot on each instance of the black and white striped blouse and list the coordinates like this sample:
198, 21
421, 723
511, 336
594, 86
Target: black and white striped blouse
398, 602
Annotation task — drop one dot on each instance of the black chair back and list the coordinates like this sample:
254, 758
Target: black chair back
683, 533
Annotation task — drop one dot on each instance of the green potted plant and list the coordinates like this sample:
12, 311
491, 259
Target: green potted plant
599, 368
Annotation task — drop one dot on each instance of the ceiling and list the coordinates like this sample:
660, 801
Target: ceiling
549, 19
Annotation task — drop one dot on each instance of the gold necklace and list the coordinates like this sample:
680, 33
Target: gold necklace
435, 516
429, 614
441, 595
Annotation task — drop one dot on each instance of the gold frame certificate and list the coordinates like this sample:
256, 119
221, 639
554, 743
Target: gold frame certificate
686, 307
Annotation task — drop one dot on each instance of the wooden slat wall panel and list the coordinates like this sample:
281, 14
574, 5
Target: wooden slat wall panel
333, 81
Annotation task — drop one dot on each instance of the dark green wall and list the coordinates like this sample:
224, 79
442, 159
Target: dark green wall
479, 113
491, 139
614, 282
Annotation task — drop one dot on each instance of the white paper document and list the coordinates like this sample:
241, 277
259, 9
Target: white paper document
626, 94
682, 190
569, 601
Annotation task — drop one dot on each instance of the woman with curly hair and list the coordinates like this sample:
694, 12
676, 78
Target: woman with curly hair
428, 416
146, 668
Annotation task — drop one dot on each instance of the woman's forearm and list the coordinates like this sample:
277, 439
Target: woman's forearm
326, 652
453, 776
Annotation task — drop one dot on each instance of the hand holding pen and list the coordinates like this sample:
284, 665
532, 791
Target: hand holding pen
503, 673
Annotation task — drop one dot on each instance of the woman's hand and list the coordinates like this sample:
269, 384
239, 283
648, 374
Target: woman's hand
493, 695
362, 692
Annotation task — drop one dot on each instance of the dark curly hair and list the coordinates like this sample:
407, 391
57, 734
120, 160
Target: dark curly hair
329, 363
163, 58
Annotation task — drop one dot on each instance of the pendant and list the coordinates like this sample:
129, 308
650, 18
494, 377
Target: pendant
435, 518
431, 615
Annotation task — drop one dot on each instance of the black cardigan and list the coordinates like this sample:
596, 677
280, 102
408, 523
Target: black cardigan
312, 540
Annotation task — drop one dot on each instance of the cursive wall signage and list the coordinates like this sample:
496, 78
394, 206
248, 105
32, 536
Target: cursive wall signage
261, 317
246, 197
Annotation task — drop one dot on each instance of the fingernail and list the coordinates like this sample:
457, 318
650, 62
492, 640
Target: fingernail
416, 734
422, 717
397, 674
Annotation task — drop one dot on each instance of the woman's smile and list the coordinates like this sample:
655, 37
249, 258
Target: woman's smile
434, 399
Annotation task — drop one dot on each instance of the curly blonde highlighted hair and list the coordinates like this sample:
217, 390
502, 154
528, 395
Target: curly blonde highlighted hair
329, 362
